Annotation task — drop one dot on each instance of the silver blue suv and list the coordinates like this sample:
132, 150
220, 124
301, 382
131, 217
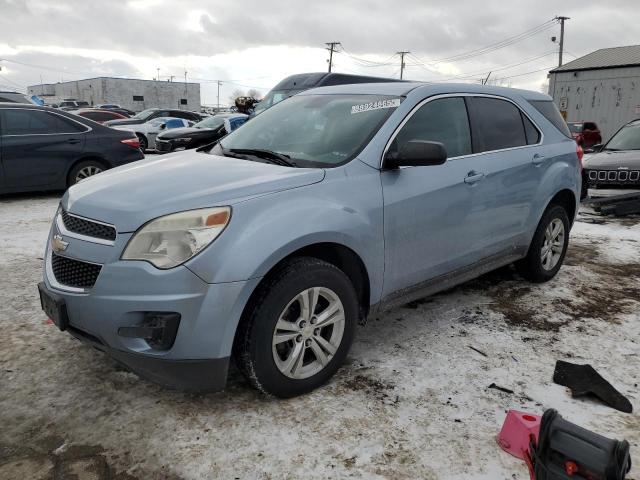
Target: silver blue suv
339, 202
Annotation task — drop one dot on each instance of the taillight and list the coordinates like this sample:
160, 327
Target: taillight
132, 142
580, 154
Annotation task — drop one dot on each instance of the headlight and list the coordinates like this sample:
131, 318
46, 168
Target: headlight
169, 241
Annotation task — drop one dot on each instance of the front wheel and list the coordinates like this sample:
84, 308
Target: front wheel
144, 144
548, 247
299, 328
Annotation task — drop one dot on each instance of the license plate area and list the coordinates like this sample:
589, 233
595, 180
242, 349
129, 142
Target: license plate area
54, 306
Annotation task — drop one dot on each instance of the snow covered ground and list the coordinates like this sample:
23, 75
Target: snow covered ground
412, 402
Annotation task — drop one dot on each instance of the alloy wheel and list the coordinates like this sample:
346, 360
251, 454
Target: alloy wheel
87, 172
308, 333
553, 244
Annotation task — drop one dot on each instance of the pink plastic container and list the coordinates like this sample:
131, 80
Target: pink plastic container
516, 433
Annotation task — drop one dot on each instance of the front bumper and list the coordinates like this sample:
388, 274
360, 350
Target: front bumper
612, 178
126, 292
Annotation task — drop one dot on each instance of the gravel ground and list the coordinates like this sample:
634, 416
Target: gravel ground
412, 402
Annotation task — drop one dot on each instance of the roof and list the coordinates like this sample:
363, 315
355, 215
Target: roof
113, 78
425, 89
615, 57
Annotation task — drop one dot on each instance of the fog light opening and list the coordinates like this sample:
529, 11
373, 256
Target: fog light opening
158, 329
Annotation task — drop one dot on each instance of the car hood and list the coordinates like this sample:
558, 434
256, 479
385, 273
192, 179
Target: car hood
123, 121
612, 160
185, 131
133, 194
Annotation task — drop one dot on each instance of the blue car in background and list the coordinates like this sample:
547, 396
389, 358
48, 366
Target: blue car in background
328, 207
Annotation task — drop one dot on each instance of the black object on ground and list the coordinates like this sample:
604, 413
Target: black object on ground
478, 351
566, 451
584, 380
618, 205
502, 389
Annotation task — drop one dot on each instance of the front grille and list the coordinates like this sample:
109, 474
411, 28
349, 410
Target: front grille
74, 273
163, 146
605, 177
87, 227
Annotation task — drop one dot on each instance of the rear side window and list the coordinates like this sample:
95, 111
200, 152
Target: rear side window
533, 135
37, 122
444, 120
497, 124
99, 116
551, 113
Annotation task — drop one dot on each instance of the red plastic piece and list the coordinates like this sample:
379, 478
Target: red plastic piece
571, 467
515, 436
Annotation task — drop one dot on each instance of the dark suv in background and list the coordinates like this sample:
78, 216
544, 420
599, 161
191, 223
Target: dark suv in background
43, 148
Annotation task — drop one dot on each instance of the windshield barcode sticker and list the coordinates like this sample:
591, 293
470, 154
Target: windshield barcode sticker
365, 107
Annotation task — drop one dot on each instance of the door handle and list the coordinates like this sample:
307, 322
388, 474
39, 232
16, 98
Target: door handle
73, 141
538, 159
473, 177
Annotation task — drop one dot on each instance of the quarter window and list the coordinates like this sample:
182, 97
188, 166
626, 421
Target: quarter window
497, 124
533, 135
444, 120
36, 122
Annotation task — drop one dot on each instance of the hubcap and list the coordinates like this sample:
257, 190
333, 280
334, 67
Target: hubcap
553, 244
87, 172
308, 332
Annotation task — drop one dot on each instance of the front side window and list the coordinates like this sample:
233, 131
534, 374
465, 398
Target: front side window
497, 124
145, 114
315, 130
35, 122
444, 120
627, 138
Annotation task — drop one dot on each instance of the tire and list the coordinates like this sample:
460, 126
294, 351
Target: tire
144, 144
271, 366
83, 170
536, 268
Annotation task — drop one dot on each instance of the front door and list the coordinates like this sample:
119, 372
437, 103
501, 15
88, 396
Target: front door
430, 212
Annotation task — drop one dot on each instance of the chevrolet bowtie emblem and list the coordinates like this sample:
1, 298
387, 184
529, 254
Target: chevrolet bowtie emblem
58, 244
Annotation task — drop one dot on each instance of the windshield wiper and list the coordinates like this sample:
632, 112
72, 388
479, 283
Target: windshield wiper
269, 155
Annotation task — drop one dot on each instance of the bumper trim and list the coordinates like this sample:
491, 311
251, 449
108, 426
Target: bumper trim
191, 375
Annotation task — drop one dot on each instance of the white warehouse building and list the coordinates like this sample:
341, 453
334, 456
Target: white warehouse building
601, 87
129, 93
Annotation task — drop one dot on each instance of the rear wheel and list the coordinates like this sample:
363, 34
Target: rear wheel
144, 144
298, 329
84, 170
548, 247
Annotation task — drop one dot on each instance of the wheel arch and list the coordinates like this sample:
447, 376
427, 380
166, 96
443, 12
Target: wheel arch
101, 160
565, 198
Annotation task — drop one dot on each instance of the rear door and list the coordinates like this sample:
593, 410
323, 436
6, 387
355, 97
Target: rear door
38, 147
511, 169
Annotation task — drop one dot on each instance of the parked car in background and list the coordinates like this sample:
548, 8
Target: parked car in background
15, 97
202, 133
146, 132
304, 81
43, 148
107, 106
73, 105
586, 134
98, 115
151, 113
615, 165
331, 206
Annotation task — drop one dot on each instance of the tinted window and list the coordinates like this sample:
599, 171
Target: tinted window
533, 135
37, 122
444, 121
551, 113
590, 126
497, 124
99, 116
184, 114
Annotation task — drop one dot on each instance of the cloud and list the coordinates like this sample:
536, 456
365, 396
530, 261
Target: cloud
212, 38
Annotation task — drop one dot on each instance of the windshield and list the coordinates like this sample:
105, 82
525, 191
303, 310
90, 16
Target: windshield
315, 130
575, 127
628, 138
273, 97
143, 115
210, 122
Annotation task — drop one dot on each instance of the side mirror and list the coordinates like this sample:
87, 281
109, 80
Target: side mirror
417, 153
163, 126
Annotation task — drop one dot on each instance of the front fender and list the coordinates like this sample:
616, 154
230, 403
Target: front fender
343, 209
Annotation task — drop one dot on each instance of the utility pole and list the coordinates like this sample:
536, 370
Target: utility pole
158, 76
218, 82
562, 19
171, 77
332, 48
402, 65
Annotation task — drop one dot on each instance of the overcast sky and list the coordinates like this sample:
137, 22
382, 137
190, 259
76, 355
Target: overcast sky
255, 43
